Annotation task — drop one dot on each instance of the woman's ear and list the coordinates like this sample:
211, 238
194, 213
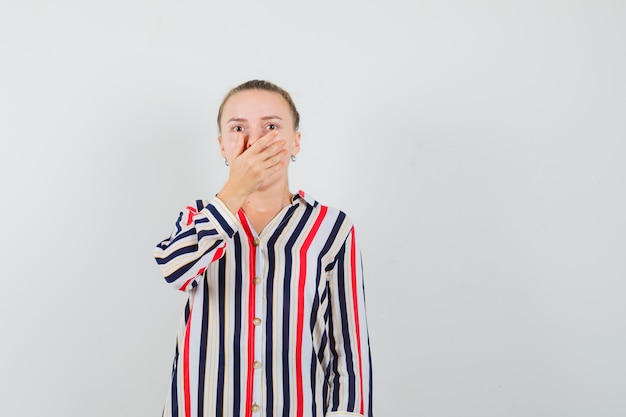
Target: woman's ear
296, 145
219, 140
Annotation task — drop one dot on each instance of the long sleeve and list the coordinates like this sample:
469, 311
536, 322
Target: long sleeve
201, 233
349, 370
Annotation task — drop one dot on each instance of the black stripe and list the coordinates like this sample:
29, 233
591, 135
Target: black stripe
329, 242
203, 345
314, 365
179, 236
324, 339
323, 343
178, 221
334, 363
237, 327
221, 220
323, 298
369, 353
325, 395
187, 312
204, 233
221, 300
174, 393
345, 326
371, 381
184, 269
187, 249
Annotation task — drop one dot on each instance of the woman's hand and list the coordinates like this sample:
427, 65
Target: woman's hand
250, 167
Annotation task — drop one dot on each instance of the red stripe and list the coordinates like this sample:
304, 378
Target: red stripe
184, 286
192, 213
300, 319
200, 272
219, 252
355, 302
251, 312
186, 389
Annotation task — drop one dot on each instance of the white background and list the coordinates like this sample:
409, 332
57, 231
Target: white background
479, 146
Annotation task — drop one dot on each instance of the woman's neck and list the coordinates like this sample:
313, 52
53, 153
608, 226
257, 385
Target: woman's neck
263, 205
269, 200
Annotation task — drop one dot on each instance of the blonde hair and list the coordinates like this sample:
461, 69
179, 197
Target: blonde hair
265, 86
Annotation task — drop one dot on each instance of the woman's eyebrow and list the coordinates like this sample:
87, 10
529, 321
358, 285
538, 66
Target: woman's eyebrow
241, 119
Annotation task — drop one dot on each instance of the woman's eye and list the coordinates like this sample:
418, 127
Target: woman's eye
272, 127
237, 129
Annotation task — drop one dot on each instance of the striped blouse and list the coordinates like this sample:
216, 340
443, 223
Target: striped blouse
275, 324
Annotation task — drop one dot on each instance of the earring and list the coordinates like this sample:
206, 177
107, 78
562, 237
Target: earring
293, 158
226, 162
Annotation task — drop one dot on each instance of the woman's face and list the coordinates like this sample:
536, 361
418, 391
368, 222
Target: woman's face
253, 114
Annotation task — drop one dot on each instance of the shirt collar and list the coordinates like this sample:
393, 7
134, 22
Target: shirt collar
306, 197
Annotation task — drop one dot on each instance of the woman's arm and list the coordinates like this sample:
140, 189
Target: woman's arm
350, 370
200, 236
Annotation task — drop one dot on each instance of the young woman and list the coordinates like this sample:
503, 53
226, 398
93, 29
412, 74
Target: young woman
275, 321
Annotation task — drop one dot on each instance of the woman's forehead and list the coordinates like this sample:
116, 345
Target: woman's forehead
256, 104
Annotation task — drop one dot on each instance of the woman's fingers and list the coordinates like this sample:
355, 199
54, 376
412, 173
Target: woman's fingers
266, 140
266, 147
274, 149
239, 145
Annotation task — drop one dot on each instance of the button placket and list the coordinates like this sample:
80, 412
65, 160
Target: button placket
257, 365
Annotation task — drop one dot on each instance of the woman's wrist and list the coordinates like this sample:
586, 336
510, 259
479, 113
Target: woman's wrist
233, 199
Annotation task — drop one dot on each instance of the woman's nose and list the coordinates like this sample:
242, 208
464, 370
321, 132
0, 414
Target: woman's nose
253, 136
